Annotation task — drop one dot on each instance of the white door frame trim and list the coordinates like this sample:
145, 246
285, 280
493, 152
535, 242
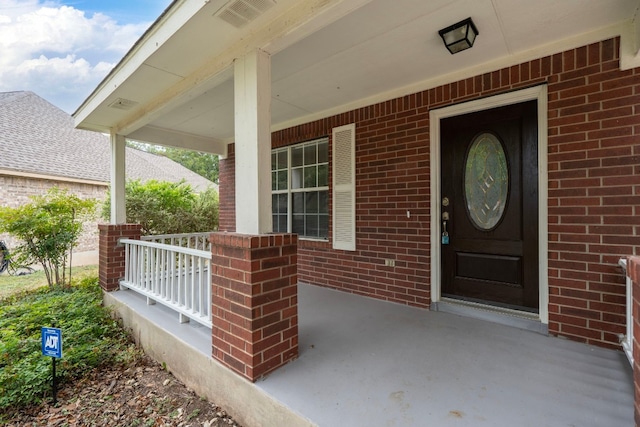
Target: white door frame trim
538, 93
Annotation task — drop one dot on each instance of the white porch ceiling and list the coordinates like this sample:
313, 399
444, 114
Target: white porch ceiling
328, 56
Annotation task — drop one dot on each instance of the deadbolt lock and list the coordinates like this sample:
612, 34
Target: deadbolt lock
445, 201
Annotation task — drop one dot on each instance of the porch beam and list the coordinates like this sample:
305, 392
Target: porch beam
171, 138
118, 208
252, 92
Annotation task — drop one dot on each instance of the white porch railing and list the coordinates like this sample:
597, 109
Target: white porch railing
176, 276
193, 241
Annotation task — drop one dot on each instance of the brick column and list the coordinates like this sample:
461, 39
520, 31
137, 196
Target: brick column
111, 255
227, 191
254, 301
633, 271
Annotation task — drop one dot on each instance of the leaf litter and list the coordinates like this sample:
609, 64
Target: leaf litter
141, 393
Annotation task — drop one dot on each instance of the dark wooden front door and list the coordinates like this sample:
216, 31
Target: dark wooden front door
489, 206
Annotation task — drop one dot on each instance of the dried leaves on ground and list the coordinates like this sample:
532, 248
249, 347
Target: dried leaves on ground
140, 394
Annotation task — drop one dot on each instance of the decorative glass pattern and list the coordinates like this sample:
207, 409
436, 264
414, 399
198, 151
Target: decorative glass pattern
486, 181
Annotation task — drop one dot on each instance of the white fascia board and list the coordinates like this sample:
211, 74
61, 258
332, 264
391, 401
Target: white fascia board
160, 31
21, 174
170, 138
93, 127
490, 66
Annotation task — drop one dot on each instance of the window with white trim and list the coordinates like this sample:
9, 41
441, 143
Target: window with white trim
300, 189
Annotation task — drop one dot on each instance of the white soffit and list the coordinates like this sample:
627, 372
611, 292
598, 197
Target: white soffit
408, 56
551, 20
210, 113
373, 51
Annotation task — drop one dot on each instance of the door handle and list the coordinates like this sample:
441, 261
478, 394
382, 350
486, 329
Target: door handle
445, 233
445, 218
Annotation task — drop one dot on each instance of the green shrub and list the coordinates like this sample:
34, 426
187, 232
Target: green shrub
163, 207
91, 338
202, 215
48, 228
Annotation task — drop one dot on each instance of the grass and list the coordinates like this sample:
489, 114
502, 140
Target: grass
11, 285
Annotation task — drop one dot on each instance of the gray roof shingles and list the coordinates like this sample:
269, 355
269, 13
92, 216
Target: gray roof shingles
37, 137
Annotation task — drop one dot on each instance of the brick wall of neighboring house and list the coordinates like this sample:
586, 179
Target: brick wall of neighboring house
594, 189
17, 190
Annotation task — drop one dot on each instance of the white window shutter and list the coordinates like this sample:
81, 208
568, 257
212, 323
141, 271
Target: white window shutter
344, 187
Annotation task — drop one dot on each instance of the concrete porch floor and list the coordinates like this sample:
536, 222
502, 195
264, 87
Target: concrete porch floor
365, 362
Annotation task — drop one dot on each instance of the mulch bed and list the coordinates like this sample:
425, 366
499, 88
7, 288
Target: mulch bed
140, 394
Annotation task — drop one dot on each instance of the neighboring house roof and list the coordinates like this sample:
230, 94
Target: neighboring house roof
38, 138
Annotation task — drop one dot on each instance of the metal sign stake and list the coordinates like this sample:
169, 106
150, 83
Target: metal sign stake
54, 385
52, 346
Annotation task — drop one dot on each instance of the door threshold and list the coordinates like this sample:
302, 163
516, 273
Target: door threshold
503, 316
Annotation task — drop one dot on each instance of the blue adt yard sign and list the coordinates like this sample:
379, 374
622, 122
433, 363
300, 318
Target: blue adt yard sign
52, 342
52, 347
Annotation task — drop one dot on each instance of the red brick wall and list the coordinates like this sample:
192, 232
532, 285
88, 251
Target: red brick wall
594, 189
111, 254
392, 176
255, 302
227, 192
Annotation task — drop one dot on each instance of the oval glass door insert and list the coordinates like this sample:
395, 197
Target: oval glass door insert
486, 181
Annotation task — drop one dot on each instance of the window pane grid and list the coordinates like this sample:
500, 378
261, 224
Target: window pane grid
309, 218
280, 211
279, 170
307, 191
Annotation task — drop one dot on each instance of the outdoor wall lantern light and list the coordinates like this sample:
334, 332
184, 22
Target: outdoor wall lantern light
460, 36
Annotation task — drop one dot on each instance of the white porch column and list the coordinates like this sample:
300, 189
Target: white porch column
252, 80
118, 211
